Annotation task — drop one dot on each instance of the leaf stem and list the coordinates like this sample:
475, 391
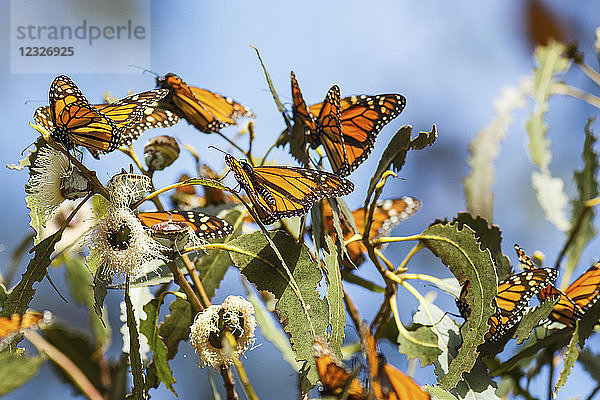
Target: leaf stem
401, 329
567, 90
417, 247
65, 363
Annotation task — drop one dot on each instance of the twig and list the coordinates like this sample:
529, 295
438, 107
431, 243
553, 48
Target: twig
68, 366
197, 282
248, 389
185, 286
228, 383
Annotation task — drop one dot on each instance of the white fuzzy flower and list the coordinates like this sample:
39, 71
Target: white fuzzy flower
52, 180
123, 244
236, 316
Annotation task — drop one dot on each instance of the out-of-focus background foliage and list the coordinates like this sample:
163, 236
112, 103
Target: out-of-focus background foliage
450, 60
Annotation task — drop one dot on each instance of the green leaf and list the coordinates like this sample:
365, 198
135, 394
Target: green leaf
3, 294
439, 394
532, 319
476, 385
335, 297
587, 188
551, 62
212, 267
149, 328
424, 139
134, 351
485, 148
79, 281
272, 331
490, 238
443, 328
21, 295
101, 281
203, 182
16, 370
80, 350
555, 340
459, 250
569, 360
552, 199
394, 155
176, 326
280, 106
423, 334
302, 312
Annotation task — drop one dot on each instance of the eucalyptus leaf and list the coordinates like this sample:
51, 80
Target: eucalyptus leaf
149, 328
302, 312
16, 370
459, 250
21, 295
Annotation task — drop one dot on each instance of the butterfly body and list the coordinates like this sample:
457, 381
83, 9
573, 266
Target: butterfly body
207, 111
279, 191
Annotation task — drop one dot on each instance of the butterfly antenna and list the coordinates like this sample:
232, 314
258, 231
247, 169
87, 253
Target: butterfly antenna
144, 69
216, 148
33, 101
28, 146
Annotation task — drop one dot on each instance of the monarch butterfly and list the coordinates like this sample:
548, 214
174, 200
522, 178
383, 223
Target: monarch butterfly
388, 382
153, 117
205, 110
278, 192
205, 226
334, 376
22, 321
74, 121
387, 214
513, 297
348, 131
583, 293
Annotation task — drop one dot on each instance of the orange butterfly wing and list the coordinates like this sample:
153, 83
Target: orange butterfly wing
204, 225
361, 119
576, 300
19, 321
387, 214
301, 113
334, 377
279, 192
205, 110
514, 294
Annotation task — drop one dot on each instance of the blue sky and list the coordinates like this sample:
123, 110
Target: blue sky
449, 59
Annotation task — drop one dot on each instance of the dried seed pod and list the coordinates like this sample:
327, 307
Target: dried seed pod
160, 152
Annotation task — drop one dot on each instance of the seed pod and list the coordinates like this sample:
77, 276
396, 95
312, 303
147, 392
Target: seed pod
160, 152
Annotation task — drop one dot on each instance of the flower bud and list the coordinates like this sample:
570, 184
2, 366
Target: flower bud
127, 188
160, 152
